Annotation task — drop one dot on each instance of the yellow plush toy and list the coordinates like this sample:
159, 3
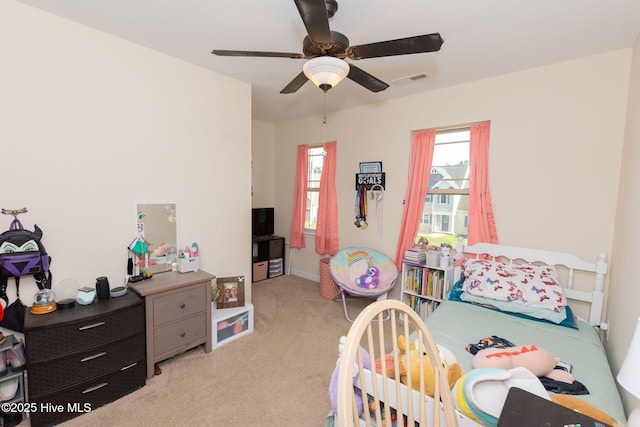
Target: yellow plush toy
579, 405
412, 358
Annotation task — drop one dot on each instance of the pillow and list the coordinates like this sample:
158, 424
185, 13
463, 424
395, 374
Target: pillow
566, 318
525, 284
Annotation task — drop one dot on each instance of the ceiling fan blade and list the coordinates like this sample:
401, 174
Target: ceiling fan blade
316, 20
295, 84
365, 79
406, 46
220, 52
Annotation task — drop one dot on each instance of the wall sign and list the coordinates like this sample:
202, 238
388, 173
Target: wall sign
368, 180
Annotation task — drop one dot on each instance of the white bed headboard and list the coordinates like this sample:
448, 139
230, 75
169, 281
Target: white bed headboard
573, 264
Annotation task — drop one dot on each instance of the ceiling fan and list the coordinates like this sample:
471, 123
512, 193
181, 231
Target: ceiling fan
326, 50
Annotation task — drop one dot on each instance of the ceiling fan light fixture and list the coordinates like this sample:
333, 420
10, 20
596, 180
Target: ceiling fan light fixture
325, 71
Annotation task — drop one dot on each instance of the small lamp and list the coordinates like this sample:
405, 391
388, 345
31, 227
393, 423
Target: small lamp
140, 247
629, 375
325, 71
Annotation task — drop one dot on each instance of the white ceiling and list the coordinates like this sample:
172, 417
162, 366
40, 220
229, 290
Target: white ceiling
482, 38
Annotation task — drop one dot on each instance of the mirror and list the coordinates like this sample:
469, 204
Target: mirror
157, 222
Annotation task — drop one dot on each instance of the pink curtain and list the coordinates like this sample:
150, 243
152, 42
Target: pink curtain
419, 172
482, 224
327, 226
300, 198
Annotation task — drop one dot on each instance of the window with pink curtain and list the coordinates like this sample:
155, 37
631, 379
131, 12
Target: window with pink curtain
419, 170
327, 226
482, 223
300, 199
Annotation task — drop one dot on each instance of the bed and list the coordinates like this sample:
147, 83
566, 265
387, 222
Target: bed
458, 323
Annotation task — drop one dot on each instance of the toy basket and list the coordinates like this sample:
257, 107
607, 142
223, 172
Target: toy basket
328, 288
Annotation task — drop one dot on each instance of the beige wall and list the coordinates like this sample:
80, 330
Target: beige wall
263, 163
556, 142
624, 291
90, 123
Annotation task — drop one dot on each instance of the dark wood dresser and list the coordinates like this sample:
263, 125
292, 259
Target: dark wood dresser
84, 357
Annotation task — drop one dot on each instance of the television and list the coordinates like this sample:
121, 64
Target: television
262, 222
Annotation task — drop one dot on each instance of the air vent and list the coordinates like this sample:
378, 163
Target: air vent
409, 79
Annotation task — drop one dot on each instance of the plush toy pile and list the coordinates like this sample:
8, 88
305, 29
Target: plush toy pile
480, 393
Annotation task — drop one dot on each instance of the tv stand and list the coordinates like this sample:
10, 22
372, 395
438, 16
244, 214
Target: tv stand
267, 257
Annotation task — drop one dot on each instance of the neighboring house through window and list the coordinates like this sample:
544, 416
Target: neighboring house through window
316, 159
446, 207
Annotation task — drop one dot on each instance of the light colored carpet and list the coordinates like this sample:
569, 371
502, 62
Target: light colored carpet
277, 376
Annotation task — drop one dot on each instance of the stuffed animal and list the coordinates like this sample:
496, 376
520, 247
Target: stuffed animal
537, 360
333, 385
370, 279
410, 356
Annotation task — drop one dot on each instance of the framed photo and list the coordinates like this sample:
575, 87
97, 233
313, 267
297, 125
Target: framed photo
230, 292
370, 167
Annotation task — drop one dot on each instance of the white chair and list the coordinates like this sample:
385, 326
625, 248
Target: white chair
383, 392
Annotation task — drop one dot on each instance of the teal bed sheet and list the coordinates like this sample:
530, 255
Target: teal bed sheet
456, 324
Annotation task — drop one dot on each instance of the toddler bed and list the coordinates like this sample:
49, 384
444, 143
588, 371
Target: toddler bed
462, 321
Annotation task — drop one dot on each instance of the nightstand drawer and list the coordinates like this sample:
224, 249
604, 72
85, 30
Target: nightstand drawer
179, 334
57, 341
45, 378
180, 304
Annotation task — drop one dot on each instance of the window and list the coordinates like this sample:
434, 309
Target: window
316, 158
446, 207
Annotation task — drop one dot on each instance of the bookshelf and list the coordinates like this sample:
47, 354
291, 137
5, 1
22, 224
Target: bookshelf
425, 286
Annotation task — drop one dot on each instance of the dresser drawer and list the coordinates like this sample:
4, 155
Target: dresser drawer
175, 306
44, 378
179, 334
57, 341
93, 394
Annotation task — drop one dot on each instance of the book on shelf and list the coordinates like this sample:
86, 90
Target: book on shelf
421, 306
425, 282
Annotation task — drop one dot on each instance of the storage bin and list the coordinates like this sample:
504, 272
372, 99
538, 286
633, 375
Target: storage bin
276, 267
230, 324
433, 258
260, 270
328, 287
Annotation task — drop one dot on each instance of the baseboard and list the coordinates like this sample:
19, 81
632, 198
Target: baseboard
305, 275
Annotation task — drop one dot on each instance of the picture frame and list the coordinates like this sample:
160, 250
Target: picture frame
230, 292
370, 167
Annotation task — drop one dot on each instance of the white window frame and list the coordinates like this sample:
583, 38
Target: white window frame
435, 195
311, 210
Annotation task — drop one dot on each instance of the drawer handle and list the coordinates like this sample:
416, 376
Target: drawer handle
95, 356
183, 305
124, 368
182, 334
94, 388
93, 325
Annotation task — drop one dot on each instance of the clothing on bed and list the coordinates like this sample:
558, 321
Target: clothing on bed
554, 386
489, 342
